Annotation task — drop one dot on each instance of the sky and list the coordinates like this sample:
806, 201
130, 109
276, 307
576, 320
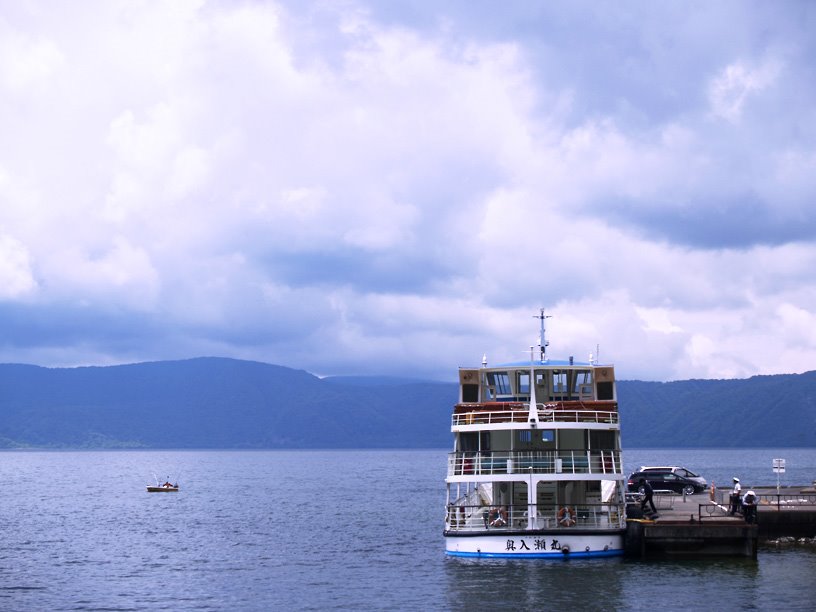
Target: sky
396, 188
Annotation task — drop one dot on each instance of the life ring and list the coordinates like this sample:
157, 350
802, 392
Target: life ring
497, 517
566, 517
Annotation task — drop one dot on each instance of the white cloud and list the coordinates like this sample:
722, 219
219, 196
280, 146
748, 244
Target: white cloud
658, 320
16, 277
269, 179
26, 62
729, 91
121, 274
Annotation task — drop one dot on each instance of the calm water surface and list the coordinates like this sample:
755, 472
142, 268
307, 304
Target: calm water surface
329, 530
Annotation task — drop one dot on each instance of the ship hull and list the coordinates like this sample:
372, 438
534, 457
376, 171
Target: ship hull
539, 545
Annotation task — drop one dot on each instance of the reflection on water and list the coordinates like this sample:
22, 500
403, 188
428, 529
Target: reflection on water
782, 580
535, 584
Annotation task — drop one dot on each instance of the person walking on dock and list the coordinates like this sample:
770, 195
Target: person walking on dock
648, 493
736, 496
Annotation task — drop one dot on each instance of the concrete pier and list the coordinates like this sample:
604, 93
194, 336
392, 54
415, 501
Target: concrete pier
647, 540
700, 526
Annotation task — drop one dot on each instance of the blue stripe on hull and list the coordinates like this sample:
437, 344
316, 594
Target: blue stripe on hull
549, 555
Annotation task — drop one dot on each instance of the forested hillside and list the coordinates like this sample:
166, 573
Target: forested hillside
227, 403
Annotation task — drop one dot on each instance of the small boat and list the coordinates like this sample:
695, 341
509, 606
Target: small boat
536, 469
162, 488
167, 487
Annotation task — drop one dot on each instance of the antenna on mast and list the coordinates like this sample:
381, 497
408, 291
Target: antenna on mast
542, 340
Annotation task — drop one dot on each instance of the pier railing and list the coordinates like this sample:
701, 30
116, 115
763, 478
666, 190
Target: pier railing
766, 499
469, 518
535, 462
487, 413
721, 505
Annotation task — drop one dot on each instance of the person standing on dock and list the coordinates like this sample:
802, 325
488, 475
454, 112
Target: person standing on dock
736, 496
648, 493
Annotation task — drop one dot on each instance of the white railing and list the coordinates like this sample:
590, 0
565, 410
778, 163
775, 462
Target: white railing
510, 412
461, 518
598, 462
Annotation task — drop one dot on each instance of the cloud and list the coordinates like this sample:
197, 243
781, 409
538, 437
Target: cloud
16, 278
371, 188
730, 90
26, 62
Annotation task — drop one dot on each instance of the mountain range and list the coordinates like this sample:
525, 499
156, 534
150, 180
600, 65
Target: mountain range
212, 402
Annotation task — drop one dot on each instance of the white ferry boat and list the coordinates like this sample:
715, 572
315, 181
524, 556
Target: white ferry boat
536, 469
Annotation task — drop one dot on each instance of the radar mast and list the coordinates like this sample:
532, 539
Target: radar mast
542, 339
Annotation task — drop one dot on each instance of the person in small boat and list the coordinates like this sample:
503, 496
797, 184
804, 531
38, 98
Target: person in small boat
497, 517
167, 485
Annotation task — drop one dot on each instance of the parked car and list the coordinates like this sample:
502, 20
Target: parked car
668, 478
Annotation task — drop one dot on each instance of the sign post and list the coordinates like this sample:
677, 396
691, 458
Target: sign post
779, 468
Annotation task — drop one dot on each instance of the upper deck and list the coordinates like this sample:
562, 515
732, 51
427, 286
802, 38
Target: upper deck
534, 391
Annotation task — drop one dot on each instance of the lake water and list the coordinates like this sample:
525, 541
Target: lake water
309, 530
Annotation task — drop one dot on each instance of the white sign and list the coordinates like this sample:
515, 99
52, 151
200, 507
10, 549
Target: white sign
779, 466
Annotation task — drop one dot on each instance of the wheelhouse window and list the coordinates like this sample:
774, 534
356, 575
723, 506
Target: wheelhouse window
500, 381
560, 387
582, 383
524, 383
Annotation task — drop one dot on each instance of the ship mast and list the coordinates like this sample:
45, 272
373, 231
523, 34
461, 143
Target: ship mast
542, 340
532, 417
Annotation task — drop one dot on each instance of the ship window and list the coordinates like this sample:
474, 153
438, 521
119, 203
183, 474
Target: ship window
559, 383
499, 380
524, 383
605, 391
470, 393
548, 435
582, 379
525, 436
602, 440
469, 442
572, 439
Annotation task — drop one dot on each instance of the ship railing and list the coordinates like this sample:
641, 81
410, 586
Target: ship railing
488, 413
489, 463
469, 518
